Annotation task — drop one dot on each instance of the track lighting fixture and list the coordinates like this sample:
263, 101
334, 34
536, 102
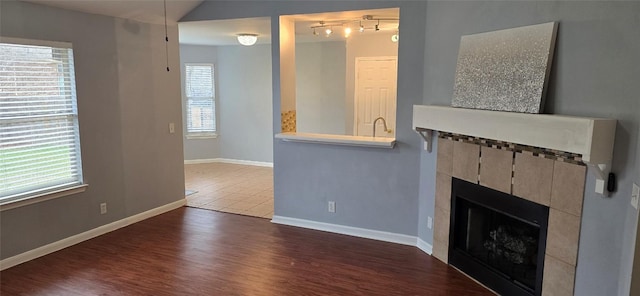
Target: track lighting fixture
328, 31
347, 32
362, 24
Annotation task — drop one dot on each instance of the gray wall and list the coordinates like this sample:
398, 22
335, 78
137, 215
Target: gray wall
595, 73
245, 116
635, 263
126, 100
373, 188
206, 148
366, 45
320, 87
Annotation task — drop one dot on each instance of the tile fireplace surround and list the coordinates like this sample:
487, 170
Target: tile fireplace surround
552, 178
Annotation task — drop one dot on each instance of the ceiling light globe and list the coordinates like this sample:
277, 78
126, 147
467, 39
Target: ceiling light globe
247, 39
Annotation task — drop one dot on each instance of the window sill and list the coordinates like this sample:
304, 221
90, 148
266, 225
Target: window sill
28, 200
201, 136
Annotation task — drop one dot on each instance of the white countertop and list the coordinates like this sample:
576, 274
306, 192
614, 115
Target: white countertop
378, 142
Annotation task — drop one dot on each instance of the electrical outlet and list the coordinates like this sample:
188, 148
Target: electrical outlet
103, 208
635, 195
332, 207
172, 128
429, 222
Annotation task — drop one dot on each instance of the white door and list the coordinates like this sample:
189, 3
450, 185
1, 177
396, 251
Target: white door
375, 95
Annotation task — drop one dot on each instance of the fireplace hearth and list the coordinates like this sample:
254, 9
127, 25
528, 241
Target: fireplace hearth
498, 238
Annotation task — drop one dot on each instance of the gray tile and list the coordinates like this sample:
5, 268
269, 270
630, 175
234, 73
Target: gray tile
495, 169
532, 178
443, 191
558, 278
441, 250
567, 189
563, 234
465, 161
444, 163
441, 225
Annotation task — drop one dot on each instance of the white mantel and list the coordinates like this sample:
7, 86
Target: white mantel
593, 138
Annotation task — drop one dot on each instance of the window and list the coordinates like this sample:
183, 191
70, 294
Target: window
39, 138
199, 90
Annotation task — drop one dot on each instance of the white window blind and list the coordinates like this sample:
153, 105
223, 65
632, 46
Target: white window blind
200, 93
39, 138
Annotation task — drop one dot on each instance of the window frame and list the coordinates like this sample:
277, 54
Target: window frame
43, 193
200, 134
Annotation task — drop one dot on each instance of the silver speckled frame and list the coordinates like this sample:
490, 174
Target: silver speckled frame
505, 70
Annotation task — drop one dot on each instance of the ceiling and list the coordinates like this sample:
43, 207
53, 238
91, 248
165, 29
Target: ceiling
147, 11
223, 32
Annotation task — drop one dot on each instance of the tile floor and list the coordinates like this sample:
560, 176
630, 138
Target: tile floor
231, 188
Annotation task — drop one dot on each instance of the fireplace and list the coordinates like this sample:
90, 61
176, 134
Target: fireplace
497, 238
522, 182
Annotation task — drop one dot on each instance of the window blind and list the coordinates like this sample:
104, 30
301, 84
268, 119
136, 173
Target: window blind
200, 90
39, 136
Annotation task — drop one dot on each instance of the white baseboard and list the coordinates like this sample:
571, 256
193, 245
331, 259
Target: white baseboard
228, 160
78, 238
424, 246
397, 238
199, 161
245, 162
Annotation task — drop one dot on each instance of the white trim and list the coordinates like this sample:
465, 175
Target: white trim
78, 238
35, 42
342, 140
201, 136
199, 161
245, 162
424, 246
384, 236
591, 137
228, 160
43, 196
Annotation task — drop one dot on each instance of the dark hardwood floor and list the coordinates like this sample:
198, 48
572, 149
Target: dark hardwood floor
199, 252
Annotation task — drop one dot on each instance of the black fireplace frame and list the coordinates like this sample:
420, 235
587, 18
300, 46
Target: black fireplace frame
512, 206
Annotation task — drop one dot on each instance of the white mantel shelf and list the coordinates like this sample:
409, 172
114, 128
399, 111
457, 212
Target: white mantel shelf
593, 138
343, 140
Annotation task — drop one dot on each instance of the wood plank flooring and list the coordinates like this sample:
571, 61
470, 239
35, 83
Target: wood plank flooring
192, 251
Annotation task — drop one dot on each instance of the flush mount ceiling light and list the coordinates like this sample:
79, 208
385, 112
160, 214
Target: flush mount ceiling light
247, 39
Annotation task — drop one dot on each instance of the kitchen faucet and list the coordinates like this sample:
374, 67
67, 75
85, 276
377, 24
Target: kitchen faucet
384, 122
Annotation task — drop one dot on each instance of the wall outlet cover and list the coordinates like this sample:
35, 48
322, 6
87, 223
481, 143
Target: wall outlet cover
332, 207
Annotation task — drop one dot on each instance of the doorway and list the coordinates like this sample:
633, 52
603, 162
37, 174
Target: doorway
375, 96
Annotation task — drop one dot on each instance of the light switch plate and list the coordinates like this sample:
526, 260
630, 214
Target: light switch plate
429, 222
172, 128
635, 195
